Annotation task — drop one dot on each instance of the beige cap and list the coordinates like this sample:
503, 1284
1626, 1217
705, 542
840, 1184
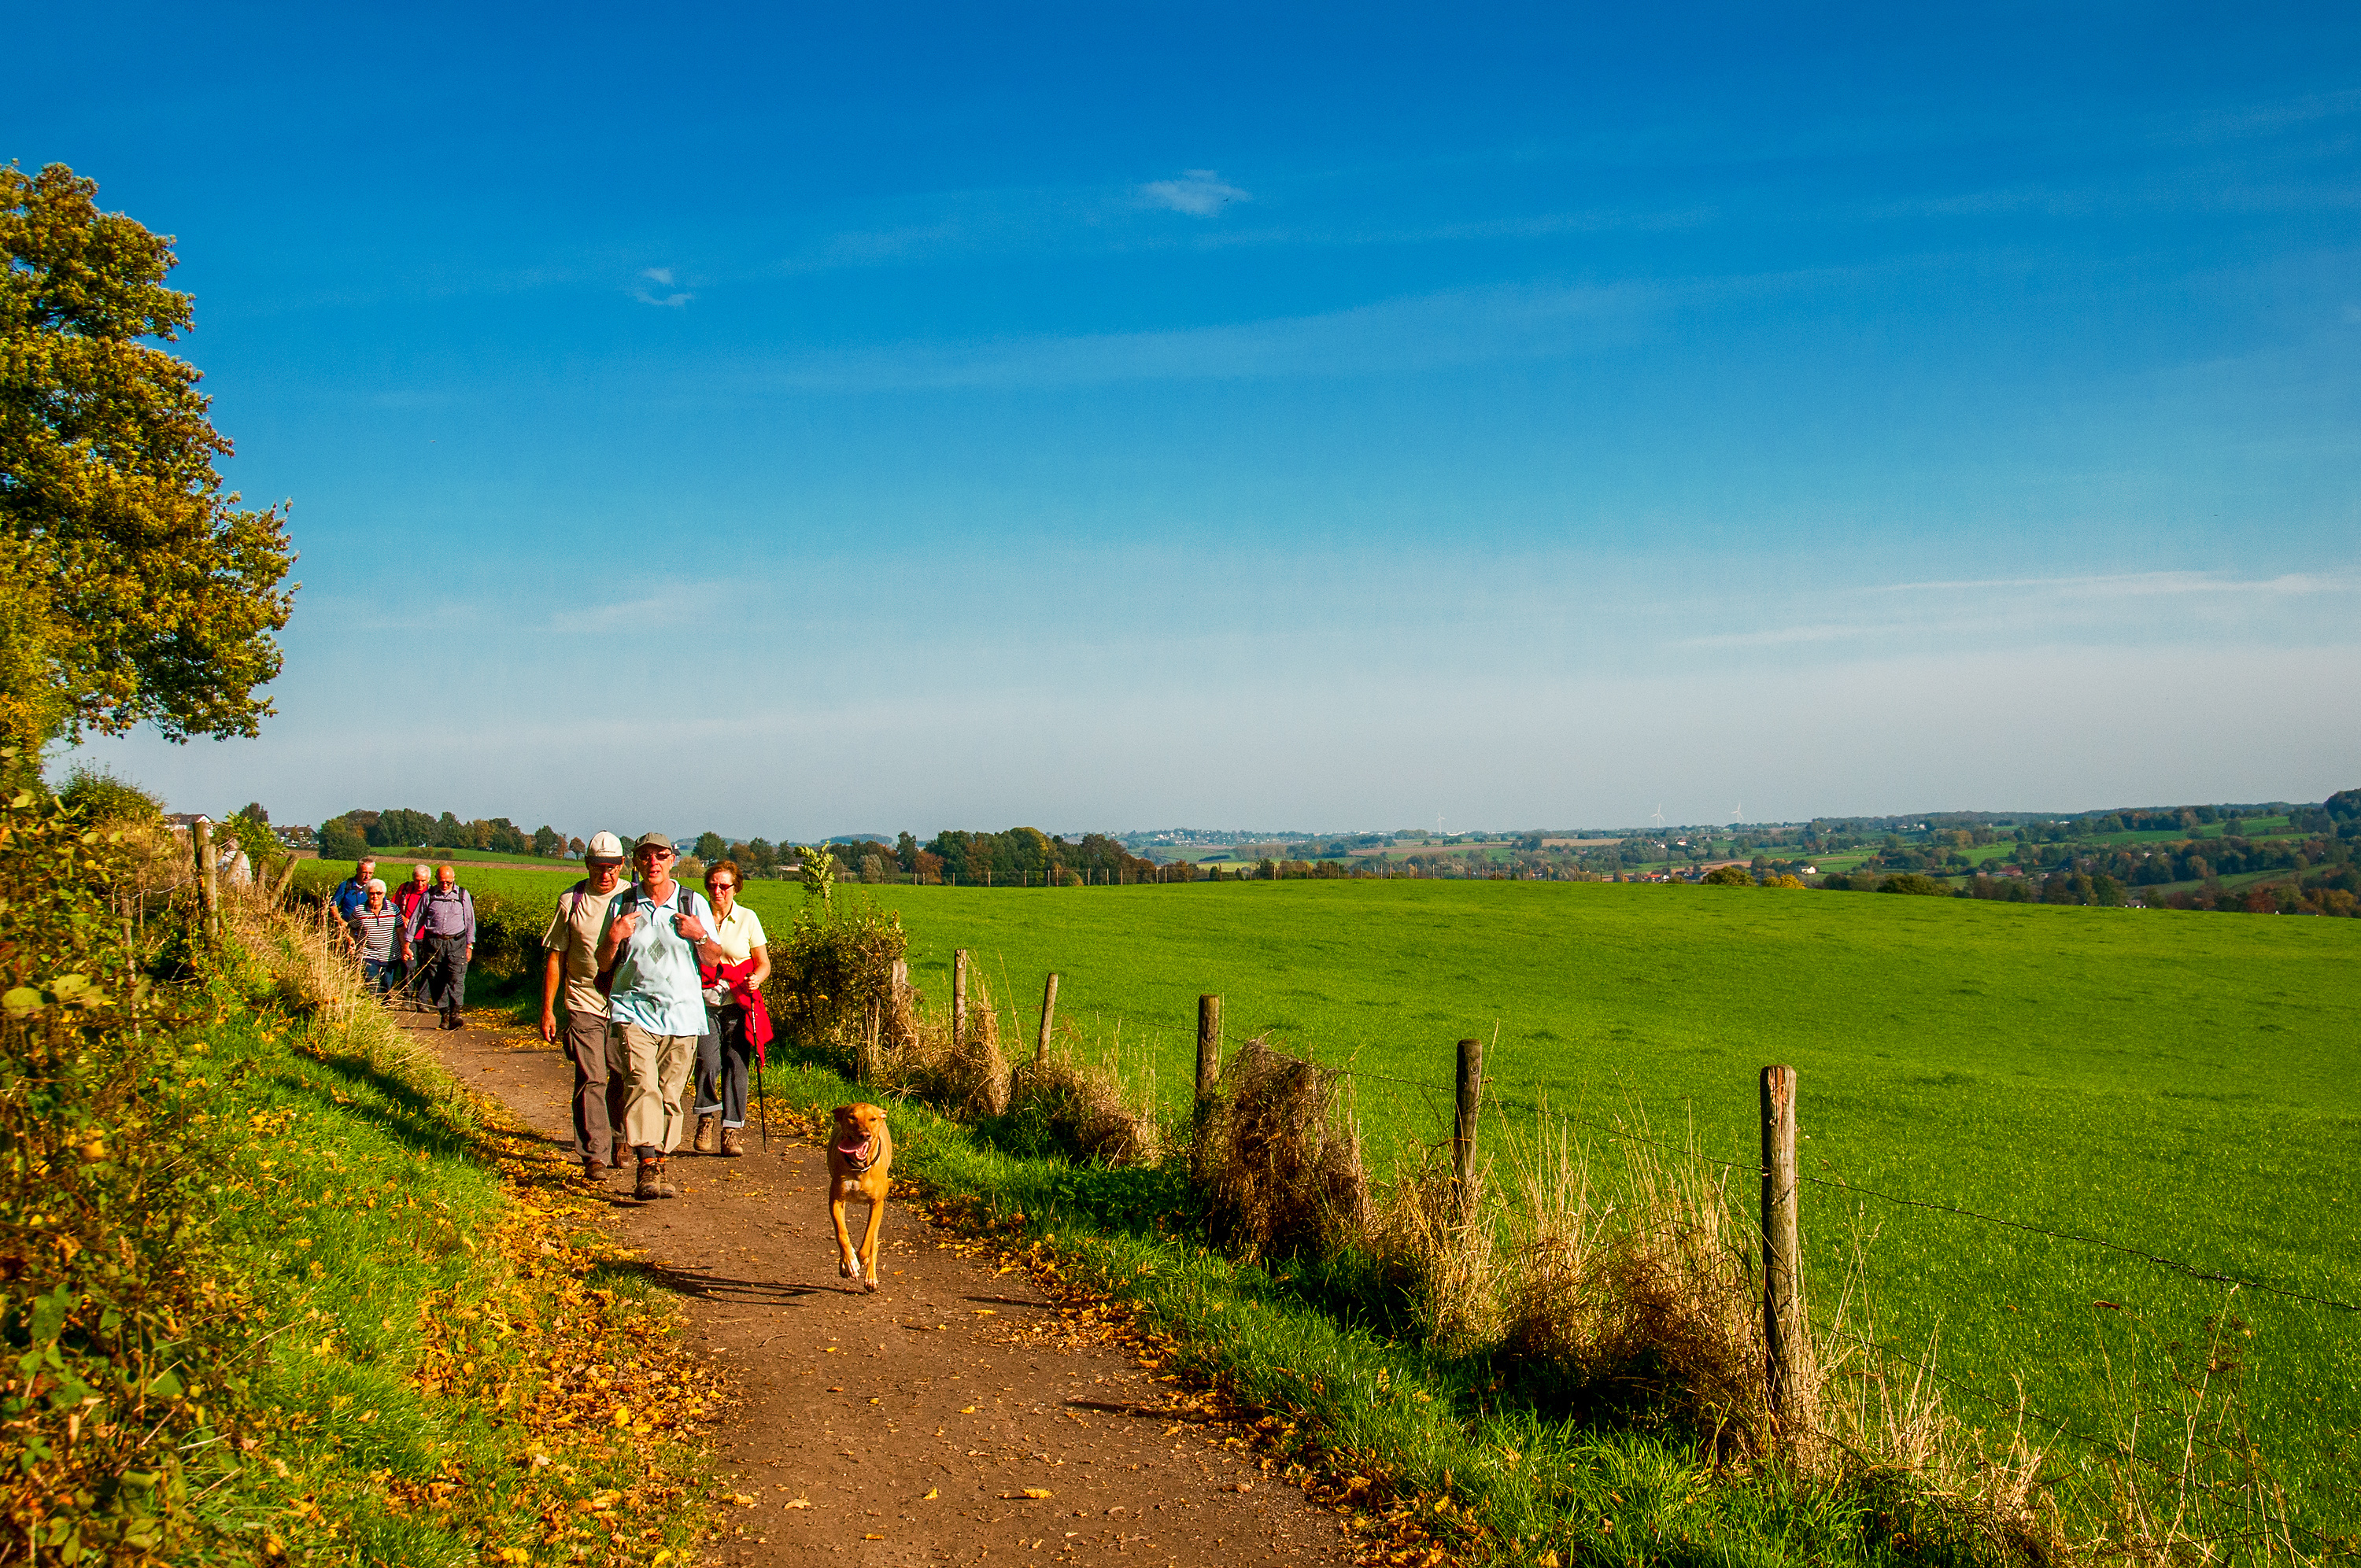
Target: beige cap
604, 847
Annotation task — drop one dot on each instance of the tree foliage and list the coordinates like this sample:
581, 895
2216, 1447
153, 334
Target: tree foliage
140, 590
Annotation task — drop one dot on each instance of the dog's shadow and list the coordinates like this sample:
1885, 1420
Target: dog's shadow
707, 1287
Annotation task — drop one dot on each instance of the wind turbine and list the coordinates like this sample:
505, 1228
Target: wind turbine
1657, 816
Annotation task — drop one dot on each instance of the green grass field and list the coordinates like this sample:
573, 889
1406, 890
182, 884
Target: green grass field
2175, 1083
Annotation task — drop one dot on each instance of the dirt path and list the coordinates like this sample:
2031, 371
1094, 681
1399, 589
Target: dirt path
906, 1427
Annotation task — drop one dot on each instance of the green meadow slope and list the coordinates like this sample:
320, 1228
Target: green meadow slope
2178, 1084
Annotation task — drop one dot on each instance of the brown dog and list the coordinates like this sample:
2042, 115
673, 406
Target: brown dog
859, 1160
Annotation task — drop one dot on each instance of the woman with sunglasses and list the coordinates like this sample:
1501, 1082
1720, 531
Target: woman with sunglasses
726, 1054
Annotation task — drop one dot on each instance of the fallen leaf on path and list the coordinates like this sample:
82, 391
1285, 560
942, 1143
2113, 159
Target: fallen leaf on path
796, 1503
932, 1493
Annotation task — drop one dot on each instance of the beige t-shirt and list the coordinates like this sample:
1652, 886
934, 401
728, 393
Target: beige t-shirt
573, 934
739, 935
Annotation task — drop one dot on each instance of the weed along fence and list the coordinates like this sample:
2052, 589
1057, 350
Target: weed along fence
2181, 1451
1593, 1289
1788, 1380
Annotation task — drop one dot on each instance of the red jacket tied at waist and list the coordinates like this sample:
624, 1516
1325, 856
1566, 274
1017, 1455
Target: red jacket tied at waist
740, 978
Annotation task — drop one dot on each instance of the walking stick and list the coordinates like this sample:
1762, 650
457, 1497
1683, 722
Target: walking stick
762, 1101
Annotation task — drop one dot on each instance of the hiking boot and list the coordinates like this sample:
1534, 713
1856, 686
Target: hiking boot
454, 1023
595, 1171
708, 1134
733, 1141
652, 1183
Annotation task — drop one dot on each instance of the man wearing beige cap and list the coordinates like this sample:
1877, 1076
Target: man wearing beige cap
572, 944
657, 932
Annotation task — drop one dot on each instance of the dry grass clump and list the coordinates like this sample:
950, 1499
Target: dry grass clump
310, 964
968, 1079
1278, 1158
1884, 1421
1446, 1248
1676, 1318
1552, 1313
1084, 1106
1632, 1294
889, 1038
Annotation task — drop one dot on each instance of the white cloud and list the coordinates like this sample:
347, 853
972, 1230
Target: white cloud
1473, 327
2140, 585
672, 604
663, 278
1199, 193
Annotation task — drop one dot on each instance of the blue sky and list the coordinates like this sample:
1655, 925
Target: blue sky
795, 421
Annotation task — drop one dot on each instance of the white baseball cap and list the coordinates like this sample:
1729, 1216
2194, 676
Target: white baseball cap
604, 847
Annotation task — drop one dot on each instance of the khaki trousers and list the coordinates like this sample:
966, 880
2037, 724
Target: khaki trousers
656, 1068
599, 1096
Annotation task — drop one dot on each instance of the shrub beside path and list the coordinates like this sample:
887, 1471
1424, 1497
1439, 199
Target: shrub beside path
948, 1419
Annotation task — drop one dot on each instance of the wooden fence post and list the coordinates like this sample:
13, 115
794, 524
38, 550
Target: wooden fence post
201, 841
959, 998
1209, 1067
1049, 1015
901, 1000
1787, 1340
1209, 1045
1463, 1127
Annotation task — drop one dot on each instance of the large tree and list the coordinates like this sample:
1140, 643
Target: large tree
139, 590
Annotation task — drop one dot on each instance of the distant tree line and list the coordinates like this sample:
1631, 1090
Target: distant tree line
754, 857
356, 833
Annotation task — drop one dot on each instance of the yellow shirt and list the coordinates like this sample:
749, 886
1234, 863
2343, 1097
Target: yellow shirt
739, 935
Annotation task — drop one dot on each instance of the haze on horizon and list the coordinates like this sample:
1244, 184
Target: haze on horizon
802, 420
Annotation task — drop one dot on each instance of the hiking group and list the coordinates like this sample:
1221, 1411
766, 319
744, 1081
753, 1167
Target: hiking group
645, 983
426, 931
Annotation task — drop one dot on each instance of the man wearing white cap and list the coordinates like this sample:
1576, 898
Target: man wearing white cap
572, 943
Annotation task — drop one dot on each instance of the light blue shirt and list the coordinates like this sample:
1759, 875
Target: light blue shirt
655, 972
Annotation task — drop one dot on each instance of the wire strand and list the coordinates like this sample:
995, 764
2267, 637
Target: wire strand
2194, 1271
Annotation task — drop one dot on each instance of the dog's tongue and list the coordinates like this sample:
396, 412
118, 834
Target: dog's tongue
854, 1147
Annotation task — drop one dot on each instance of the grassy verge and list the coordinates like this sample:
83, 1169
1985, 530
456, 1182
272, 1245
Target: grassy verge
454, 1364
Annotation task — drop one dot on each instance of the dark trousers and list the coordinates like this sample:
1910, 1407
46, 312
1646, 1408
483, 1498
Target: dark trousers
599, 1096
445, 984
724, 1057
